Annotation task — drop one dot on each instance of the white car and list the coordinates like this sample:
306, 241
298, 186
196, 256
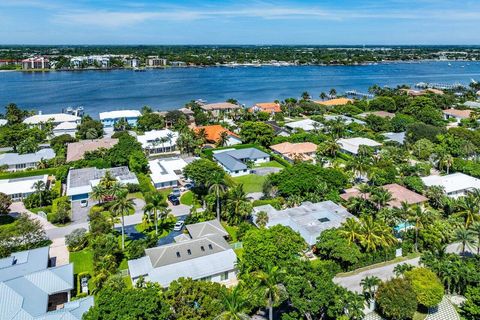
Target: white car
83, 203
178, 226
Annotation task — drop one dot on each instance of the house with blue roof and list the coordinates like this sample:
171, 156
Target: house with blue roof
31, 290
237, 162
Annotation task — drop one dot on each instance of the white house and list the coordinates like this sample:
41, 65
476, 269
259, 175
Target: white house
455, 184
203, 254
18, 162
3, 122
309, 219
158, 141
235, 161
351, 145
306, 125
63, 123
19, 188
456, 114
109, 118
166, 172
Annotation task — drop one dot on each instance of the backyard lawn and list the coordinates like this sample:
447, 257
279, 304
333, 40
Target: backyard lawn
82, 261
270, 164
187, 198
251, 182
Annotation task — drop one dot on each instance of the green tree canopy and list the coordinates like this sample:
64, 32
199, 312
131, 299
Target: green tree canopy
396, 299
257, 133
427, 287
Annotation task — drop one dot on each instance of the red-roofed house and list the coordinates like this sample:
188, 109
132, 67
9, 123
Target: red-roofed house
269, 107
214, 132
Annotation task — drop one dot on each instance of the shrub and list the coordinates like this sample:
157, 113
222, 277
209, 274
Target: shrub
133, 187
61, 210
427, 287
136, 249
396, 299
145, 184
76, 240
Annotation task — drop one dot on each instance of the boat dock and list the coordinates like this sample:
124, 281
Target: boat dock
355, 93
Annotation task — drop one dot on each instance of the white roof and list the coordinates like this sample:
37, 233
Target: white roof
472, 104
20, 185
306, 124
66, 126
453, 182
352, 144
15, 158
3, 122
55, 117
152, 138
117, 114
165, 170
195, 268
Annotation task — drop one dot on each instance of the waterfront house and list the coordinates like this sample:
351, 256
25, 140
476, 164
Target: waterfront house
63, 123
32, 289
158, 141
306, 125
399, 194
236, 162
347, 120
35, 63
220, 108
398, 137
20, 188
165, 173
18, 162
155, 61
334, 102
214, 132
268, 107
202, 254
302, 151
455, 185
76, 150
309, 219
81, 181
110, 118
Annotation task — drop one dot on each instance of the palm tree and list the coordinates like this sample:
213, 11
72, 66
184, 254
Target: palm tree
262, 219
234, 304
350, 229
121, 206
305, 95
401, 268
402, 213
475, 227
470, 208
381, 197
435, 195
238, 206
42, 164
418, 216
323, 95
108, 180
375, 235
331, 147
99, 193
217, 186
465, 237
155, 204
333, 93
169, 139
222, 139
447, 161
369, 285
202, 135
115, 189
39, 187
270, 281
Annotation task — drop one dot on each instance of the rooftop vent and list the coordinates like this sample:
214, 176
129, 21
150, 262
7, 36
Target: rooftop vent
322, 220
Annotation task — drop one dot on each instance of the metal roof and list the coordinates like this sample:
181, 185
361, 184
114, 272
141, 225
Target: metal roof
202, 229
15, 158
235, 159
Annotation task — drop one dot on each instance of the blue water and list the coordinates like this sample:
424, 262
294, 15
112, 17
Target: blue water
171, 88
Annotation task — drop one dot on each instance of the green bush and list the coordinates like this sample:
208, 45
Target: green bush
79, 287
396, 299
145, 184
426, 285
27, 173
276, 203
61, 210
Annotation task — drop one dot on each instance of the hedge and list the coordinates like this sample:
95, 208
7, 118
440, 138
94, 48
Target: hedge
276, 203
28, 173
145, 184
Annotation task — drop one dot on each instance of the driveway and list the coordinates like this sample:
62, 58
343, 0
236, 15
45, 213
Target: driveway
180, 210
352, 282
264, 171
79, 213
170, 238
17, 208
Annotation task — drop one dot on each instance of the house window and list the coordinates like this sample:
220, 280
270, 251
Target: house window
210, 247
224, 276
202, 248
178, 254
189, 252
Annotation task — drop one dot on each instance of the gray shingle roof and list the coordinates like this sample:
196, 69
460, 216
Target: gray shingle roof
234, 160
15, 158
82, 177
202, 229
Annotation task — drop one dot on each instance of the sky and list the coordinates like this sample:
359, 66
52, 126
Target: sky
327, 22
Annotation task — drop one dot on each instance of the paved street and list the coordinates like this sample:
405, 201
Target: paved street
18, 207
384, 273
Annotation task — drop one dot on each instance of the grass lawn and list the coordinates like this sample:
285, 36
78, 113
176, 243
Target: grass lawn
136, 195
188, 199
251, 182
419, 315
232, 231
270, 164
82, 261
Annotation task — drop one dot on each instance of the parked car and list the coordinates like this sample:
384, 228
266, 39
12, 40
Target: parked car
178, 226
176, 192
173, 199
188, 186
84, 284
83, 203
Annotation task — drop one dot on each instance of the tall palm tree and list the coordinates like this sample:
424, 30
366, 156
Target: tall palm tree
381, 197
447, 161
169, 139
39, 187
99, 193
108, 180
470, 208
403, 213
331, 147
465, 237
305, 95
202, 135
333, 92
350, 229
262, 219
155, 204
401, 268
369, 285
238, 205
122, 206
222, 139
323, 95
234, 305
375, 234
475, 227
270, 281
217, 186
418, 217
